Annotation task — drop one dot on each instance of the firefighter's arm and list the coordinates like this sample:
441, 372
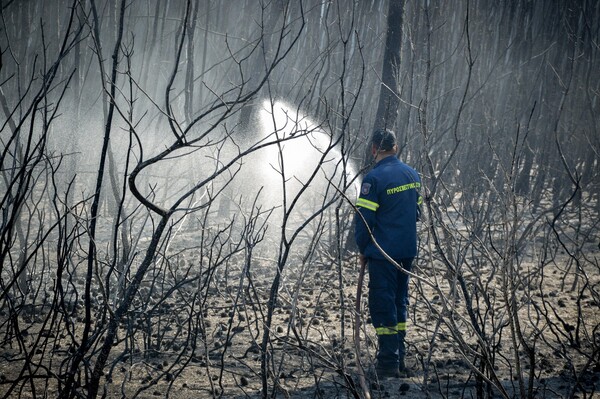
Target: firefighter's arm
362, 230
365, 218
419, 197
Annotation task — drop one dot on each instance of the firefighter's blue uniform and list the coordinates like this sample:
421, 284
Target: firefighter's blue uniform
389, 203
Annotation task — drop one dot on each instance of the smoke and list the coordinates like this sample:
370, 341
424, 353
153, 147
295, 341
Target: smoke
300, 170
309, 156
298, 176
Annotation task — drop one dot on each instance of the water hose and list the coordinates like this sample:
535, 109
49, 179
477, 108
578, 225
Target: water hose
361, 371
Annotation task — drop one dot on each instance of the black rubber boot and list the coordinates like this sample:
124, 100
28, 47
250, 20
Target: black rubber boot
387, 356
401, 345
404, 371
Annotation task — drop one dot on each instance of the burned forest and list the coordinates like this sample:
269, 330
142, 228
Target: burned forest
179, 180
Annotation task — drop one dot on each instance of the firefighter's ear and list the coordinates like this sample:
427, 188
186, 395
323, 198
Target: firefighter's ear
374, 150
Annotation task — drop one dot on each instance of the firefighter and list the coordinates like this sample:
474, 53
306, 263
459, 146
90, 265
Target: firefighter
389, 204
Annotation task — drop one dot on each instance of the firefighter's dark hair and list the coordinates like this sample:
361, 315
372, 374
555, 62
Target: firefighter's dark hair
383, 139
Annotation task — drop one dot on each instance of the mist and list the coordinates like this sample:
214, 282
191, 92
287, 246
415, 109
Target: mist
179, 179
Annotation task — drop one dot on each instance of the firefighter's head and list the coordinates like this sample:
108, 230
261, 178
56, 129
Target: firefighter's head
383, 143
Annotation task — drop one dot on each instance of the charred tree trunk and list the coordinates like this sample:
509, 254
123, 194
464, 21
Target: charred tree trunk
91, 256
189, 73
389, 96
277, 10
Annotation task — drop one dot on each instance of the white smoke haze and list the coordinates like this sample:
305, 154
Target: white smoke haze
304, 172
301, 171
305, 148
307, 163
308, 157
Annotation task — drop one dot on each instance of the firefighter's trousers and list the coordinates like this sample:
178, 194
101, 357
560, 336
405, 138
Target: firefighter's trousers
388, 301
